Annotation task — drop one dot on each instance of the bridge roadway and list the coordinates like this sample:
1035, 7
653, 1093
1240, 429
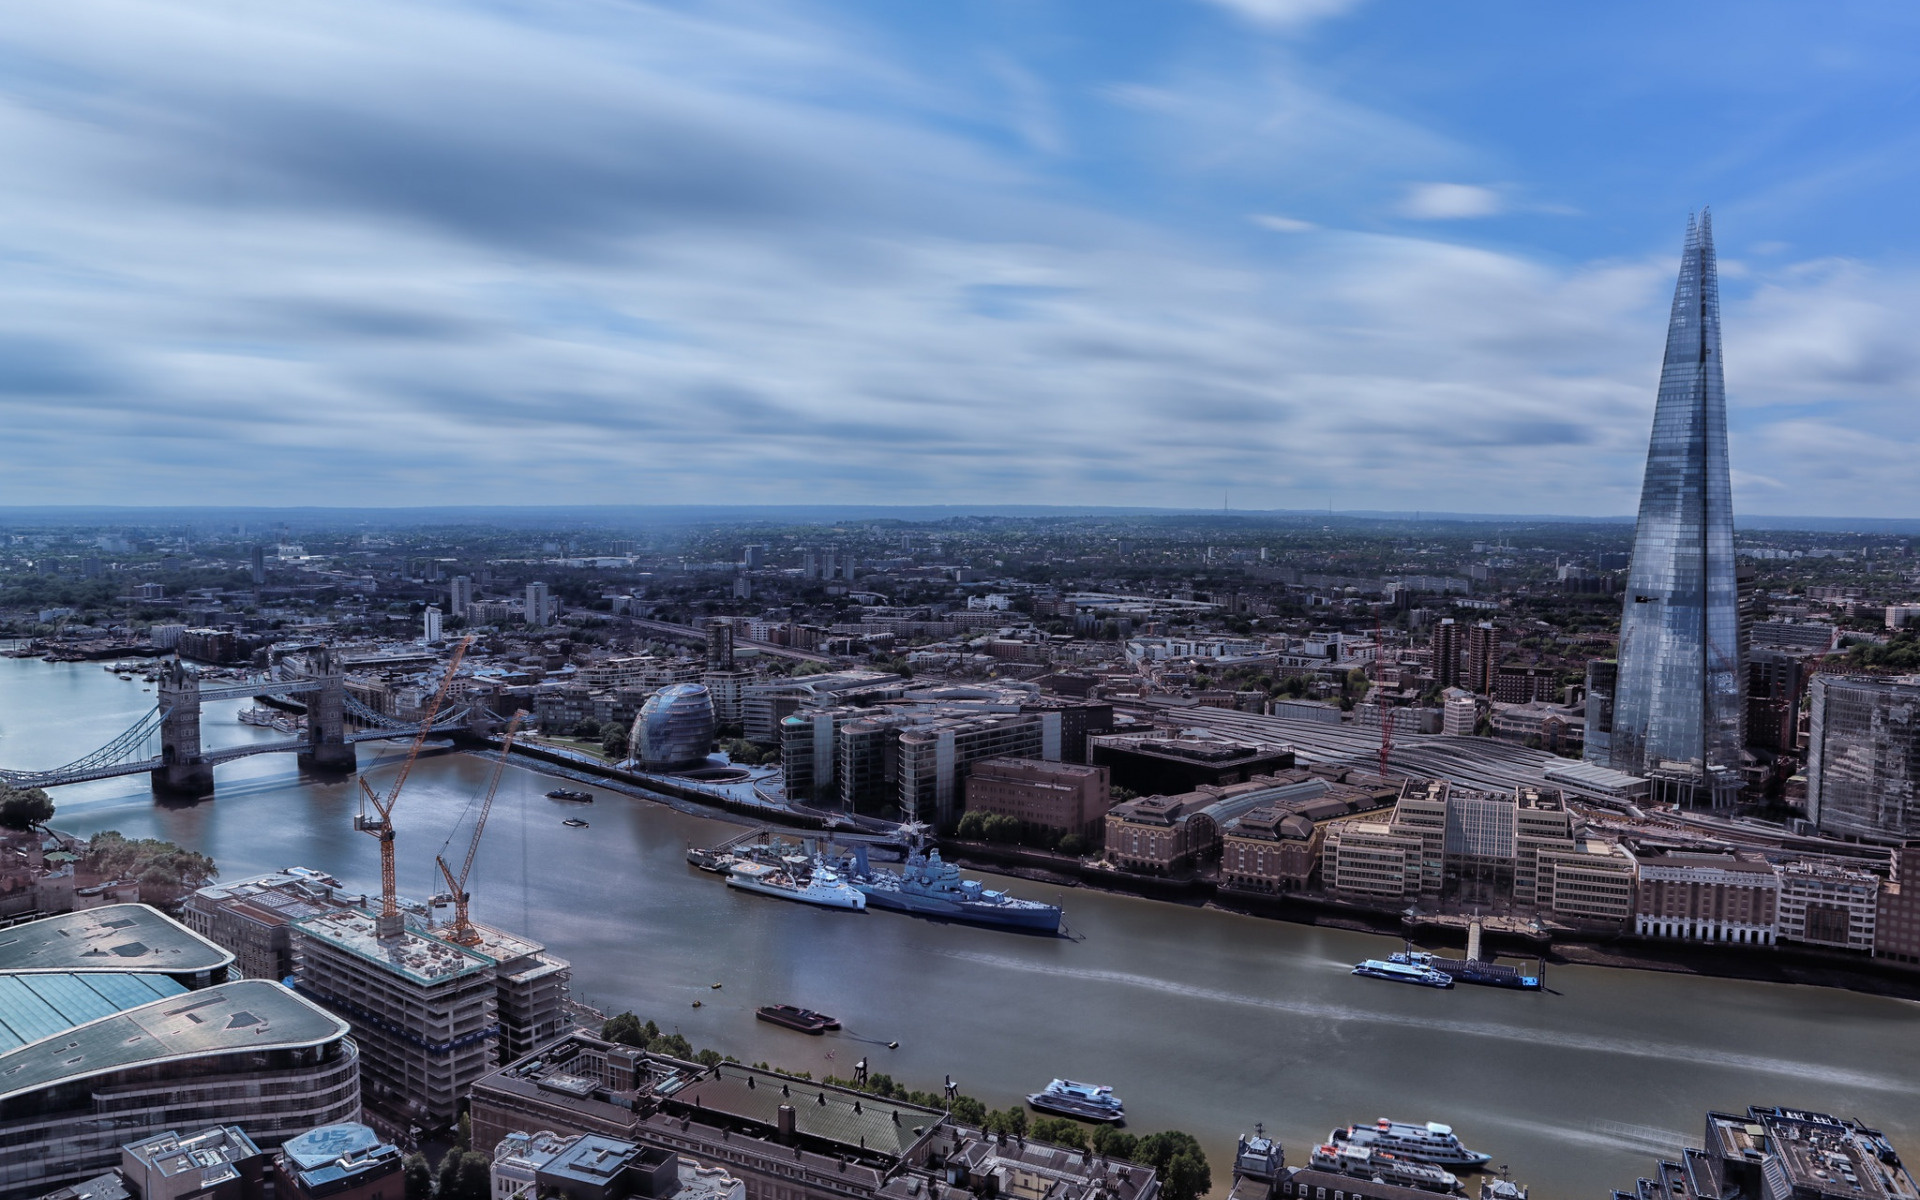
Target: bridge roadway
700, 635
1471, 762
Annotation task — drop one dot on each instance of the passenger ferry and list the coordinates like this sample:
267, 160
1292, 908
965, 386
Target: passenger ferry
1431, 1142
1344, 1158
823, 888
1087, 1101
1375, 968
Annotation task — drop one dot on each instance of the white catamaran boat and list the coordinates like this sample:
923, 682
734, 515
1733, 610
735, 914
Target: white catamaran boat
1431, 1142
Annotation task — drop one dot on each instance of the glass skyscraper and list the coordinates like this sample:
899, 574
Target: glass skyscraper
1677, 701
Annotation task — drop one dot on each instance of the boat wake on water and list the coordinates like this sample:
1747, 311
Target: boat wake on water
1598, 1044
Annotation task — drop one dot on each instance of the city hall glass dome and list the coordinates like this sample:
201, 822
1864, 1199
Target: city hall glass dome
675, 727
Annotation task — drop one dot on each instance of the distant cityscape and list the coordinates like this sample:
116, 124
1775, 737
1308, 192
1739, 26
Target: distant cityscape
1521, 745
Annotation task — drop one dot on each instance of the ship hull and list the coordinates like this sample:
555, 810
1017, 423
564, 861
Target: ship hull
1068, 1107
1044, 919
837, 900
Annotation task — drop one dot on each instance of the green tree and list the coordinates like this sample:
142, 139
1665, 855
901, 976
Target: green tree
627, 1030
1060, 1131
24, 808
967, 1111
417, 1177
1073, 844
1184, 1174
473, 1180
165, 871
613, 739
1113, 1143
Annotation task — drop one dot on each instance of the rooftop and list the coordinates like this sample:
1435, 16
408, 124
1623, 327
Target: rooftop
40, 1005
206, 1157
245, 1015
414, 956
116, 938
846, 1118
325, 1157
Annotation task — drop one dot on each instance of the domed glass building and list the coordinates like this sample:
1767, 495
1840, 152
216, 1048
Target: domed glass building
674, 728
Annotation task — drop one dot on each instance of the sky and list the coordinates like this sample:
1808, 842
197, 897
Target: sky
1190, 253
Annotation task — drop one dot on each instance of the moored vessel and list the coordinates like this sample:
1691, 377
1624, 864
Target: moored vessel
929, 886
823, 888
1431, 1142
1345, 1158
1471, 970
1087, 1101
570, 794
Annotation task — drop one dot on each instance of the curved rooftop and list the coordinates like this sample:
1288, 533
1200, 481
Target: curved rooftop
121, 939
247, 1015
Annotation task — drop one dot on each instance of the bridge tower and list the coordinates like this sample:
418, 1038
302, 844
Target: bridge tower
327, 750
184, 773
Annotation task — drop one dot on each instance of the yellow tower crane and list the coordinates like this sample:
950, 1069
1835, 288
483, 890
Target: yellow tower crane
462, 931
389, 924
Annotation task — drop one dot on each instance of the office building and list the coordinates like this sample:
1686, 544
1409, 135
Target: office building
1825, 904
1069, 798
764, 705
1896, 924
347, 1161
257, 564
936, 757
1270, 849
430, 625
1781, 1154
540, 605
753, 557
221, 1163
1701, 897
423, 1010
459, 595
1863, 757
1169, 762
1483, 657
783, 1137
1445, 647
1775, 682
719, 646
119, 1010
592, 1166
674, 729
1678, 706
1603, 677
253, 918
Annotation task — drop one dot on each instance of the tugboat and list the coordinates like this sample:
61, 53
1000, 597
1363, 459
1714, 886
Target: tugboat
570, 794
928, 886
1344, 1158
1375, 968
793, 1017
822, 888
1087, 1101
1431, 1142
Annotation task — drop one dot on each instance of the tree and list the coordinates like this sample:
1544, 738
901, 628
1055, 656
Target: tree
417, 1177
1113, 1143
473, 1179
1184, 1174
627, 1030
613, 739
163, 867
1061, 1132
22, 809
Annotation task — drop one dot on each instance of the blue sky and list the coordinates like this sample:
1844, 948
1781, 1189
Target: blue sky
1380, 255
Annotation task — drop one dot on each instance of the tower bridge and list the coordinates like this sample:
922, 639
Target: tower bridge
183, 768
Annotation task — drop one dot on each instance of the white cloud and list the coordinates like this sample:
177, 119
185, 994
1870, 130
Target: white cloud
1280, 224
1450, 202
1284, 14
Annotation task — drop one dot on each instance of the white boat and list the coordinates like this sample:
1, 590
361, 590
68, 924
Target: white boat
1345, 1158
1431, 1142
823, 888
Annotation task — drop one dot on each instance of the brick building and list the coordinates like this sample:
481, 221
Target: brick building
1825, 904
1896, 927
1707, 898
1270, 850
1069, 797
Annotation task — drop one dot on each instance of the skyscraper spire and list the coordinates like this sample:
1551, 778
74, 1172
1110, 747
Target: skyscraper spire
1676, 715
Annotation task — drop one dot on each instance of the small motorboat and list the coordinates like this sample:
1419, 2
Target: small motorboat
570, 794
575, 822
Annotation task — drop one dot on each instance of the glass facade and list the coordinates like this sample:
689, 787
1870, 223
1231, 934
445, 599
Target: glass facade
1863, 757
675, 727
1678, 698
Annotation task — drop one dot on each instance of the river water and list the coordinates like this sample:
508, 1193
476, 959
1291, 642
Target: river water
1204, 1021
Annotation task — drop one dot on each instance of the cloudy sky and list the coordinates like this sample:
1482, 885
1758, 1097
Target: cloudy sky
1137, 252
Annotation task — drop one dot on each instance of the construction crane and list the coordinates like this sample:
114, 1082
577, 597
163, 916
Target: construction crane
463, 933
389, 924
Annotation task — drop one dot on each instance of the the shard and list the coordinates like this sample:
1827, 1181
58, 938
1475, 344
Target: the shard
1677, 702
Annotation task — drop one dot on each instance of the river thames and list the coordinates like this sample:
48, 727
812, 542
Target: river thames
1203, 1020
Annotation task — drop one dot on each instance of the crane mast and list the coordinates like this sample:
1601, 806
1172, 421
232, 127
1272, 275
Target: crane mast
463, 933
381, 826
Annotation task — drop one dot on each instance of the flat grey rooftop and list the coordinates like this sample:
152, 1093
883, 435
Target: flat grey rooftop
245, 1015
40, 1004
118, 938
